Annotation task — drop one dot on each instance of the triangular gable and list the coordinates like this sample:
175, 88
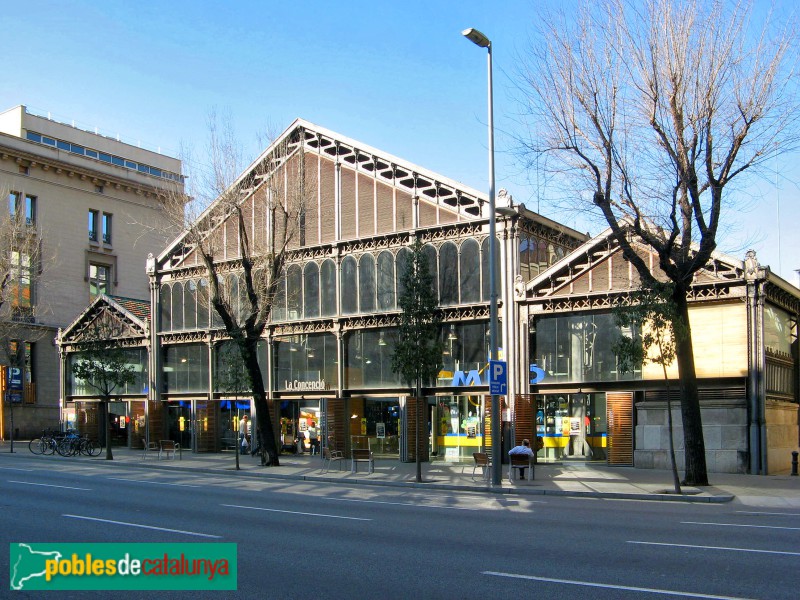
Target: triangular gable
379, 194
129, 318
598, 267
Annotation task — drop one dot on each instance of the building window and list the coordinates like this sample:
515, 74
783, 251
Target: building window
20, 210
99, 280
94, 217
13, 203
21, 288
106, 228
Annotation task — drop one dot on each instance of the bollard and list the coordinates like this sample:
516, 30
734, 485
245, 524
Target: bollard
794, 463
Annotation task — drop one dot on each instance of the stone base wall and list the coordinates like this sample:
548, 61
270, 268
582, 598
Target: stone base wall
782, 435
724, 430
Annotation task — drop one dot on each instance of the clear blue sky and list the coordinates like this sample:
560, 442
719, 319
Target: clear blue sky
395, 75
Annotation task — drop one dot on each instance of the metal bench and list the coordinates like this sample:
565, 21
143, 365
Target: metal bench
168, 447
360, 455
329, 456
482, 461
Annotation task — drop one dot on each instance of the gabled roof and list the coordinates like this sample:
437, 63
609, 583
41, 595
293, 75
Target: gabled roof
462, 201
131, 312
571, 275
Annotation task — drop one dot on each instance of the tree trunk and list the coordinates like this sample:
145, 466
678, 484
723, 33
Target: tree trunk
694, 445
417, 453
107, 417
266, 434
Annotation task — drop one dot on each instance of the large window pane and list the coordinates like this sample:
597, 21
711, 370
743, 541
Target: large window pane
430, 254
448, 274
349, 295
177, 307
186, 368
166, 308
190, 305
403, 258
311, 290
294, 292
485, 269
328, 287
386, 281
306, 363
202, 303
369, 359
470, 272
366, 283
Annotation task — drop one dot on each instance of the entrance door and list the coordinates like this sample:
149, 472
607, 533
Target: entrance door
179, 423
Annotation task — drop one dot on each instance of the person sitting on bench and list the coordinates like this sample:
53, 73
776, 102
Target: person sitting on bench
525, 448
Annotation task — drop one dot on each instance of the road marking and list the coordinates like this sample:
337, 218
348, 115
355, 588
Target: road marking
615, 587
291, 512
402, 504
18, 469
63, 487
142, 526
715, 548
781, 514
154, 482
740, 525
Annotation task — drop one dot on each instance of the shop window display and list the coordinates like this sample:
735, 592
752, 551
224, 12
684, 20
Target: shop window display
572, 425
458, 429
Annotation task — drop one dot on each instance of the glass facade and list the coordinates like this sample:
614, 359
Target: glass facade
572, 425
136, 357
368, 359
306, 363
578, 348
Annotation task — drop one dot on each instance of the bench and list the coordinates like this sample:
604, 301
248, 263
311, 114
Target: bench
148, 448
329, 456
482, 461
519, 462
168, 447
360, 455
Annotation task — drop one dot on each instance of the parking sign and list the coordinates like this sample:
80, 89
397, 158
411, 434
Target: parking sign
498, 377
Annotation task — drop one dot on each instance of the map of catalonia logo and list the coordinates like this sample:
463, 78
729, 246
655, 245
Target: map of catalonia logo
122, 566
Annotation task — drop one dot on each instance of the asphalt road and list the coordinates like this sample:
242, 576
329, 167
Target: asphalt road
312, 541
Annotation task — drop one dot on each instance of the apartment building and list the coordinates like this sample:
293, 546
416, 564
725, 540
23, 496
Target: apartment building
84, 214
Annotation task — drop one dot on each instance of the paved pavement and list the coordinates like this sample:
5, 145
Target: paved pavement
563, 479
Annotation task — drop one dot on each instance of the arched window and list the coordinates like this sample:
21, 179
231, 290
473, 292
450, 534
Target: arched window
485, 268
386, 281
294, 292
470, 272
202, 303
177, 307
328, 287
448, 274
402, 260
311, 290
366, 283
216, 320
190, 305
430, 254
525, 257
349, 286
166, 307
279, 304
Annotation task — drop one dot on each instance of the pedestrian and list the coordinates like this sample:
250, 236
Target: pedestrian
313, 438
244, 434
525, 448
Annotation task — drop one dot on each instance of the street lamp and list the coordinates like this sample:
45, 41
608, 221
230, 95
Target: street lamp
477, 38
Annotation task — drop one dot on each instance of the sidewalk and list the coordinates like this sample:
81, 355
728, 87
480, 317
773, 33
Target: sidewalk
569, 479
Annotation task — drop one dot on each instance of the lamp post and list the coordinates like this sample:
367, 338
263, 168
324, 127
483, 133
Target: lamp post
480, 40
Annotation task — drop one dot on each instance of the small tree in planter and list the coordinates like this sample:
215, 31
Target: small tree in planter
232, 377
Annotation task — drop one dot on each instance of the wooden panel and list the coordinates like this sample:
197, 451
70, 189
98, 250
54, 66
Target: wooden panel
405, 205
206, 426
336, 419
327, 191
524, 419
366, 206
348, 203
155, 420
412, 407
427, 214
619, 411
385, 204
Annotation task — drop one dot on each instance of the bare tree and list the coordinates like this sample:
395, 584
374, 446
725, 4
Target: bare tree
241, 227
648, 112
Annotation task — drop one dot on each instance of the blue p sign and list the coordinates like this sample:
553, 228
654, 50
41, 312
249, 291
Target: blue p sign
498, 377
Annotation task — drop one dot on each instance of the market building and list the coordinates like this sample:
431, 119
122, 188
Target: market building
327, 351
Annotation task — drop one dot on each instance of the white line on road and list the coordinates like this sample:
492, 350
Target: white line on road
63, 487
154, 482
291, 512
780, 514
18, 469
403, 504
614, 587
740, 525
715, 548
142, 526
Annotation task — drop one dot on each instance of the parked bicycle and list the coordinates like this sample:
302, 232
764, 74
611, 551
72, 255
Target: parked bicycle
67, 443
